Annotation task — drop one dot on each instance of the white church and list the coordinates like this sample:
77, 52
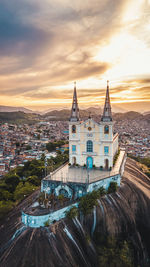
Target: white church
92, 143
92, 148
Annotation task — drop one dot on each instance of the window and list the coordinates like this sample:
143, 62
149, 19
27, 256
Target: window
106, 129
73, 148
106, 150
73, 129
89, 146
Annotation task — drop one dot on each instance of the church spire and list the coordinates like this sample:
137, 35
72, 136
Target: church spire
75, 109
107, 116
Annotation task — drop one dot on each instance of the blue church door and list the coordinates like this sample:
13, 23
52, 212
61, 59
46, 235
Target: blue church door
89, 162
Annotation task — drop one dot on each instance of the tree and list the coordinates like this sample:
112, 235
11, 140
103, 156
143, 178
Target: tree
113, 253
34, 180
28, 147
112, 187
12, 180
102, 191
5, 195
88, 202
72, 213
43, 158
23, 190
5, 207
50, 146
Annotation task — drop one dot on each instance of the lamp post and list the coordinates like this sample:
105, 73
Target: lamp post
45, 166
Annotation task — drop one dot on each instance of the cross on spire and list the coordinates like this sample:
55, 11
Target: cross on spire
75, 108
107, 116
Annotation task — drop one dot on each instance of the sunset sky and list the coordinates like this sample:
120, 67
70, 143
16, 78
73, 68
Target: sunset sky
46, 45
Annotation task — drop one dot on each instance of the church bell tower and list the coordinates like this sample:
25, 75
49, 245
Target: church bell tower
74, 131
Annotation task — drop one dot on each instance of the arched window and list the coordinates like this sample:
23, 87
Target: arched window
73, 129
89, 146
106, 129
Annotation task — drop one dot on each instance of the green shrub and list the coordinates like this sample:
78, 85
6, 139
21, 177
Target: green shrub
34, 180
102, 191
88, 202
112, 187
47, 223
23, 190
112, 252
11, 180
72, 213
116, 157
5, 207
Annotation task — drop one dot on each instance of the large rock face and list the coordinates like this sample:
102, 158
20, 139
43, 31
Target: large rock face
72, 243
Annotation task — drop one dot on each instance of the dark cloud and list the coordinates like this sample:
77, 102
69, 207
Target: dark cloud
19, 39
34, 31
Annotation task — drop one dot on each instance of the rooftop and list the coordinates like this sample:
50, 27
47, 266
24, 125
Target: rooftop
74, 174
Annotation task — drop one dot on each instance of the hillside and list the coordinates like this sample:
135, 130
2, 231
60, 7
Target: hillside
123, 216
64, 115
131, 115
18, 117
95, 114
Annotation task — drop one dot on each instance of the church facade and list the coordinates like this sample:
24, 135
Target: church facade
92, 148
92, 144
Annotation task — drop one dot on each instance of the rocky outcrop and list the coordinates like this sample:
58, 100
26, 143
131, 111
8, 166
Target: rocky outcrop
123, 214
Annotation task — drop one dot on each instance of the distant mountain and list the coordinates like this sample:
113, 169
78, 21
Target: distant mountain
131, 115
147, 117
64, 114
146, 113
19, 117
15, 109
94, 110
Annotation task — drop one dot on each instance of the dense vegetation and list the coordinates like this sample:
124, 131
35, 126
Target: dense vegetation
87, 202
51, 146
113, 252
22, 181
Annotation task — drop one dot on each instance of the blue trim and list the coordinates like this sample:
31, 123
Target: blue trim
89, 162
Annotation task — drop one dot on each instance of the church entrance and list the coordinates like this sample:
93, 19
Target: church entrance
74, 160
89, 162
106, 164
